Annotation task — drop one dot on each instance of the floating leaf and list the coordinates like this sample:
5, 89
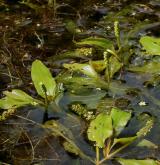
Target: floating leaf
77, 82
41, 76
120, 119
100, 129
84, 68
137, 162
99, 42
91, 100
151, 67
16, 98
151, 45
58, 129
147, 143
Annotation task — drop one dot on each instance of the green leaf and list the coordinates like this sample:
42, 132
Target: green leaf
70, 26
19, 95
84, 68
99, 42
120, 119
147, 143
137, 162
91, 99
151, 45
100, 129
16, 98
99, 65
124, 141
114, 66
151, 67
41, 76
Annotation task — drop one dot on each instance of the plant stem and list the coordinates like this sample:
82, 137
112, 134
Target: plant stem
108, 71
97, 155
108, 148
114, 153
114, 53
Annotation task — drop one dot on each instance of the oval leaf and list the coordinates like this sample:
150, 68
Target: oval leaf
100, 129
120, 119
114, 66
151, 45
41, 76
16, 98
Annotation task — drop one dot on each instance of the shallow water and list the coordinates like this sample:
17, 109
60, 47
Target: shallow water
27, 34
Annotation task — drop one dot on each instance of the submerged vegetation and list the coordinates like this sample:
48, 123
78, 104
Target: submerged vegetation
90, 102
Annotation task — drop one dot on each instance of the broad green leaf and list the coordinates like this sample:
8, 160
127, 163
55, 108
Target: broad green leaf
151, 45
151, 67
16, 98
120, 119
147, 143
41, 76
84, 68
100, 129
114, 66
7, 103
19, 95
137, 162
99, 42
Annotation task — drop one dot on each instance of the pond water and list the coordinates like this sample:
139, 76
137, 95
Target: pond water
31, 30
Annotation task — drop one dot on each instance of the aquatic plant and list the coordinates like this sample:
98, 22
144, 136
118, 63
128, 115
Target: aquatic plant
45, 85
105, 129
151, 46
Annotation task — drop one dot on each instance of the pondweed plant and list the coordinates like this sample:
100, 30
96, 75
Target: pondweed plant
104, 131
111, 63
45, 85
